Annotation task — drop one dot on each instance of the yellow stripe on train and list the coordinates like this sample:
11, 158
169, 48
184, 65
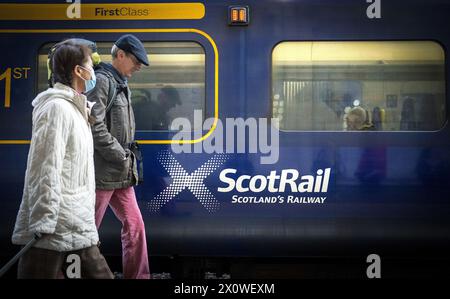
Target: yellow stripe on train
117, 11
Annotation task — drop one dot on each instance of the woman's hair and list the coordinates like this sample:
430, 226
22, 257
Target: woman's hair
358, 116
65, 57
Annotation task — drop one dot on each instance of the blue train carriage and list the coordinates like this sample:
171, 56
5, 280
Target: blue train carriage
227, 189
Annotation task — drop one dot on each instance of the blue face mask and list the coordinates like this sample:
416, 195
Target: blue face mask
89, 84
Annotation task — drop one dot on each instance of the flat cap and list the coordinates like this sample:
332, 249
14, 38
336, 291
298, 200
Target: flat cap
131, 44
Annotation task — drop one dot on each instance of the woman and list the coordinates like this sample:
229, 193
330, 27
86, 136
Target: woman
358, 120
59, 192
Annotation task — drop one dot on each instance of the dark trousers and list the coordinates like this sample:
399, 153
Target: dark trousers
38, 263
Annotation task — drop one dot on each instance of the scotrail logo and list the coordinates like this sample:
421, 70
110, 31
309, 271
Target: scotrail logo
284, 187
236, 136
273, 183
194, 181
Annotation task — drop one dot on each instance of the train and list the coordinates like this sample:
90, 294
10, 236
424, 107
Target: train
253, 158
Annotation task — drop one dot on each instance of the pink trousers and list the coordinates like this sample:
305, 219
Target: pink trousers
134, 244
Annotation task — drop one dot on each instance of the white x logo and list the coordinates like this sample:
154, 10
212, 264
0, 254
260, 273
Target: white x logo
193, 181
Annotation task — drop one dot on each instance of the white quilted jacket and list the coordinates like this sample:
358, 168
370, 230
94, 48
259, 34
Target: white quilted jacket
59, 191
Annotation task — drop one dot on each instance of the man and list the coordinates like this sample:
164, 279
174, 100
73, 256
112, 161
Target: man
115, 162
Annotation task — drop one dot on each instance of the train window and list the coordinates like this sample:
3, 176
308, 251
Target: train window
172, 86
399, 84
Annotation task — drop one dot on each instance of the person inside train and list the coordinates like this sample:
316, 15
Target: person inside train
59, 191
357, 120
371, 167
153, 114
167, 99
408, 116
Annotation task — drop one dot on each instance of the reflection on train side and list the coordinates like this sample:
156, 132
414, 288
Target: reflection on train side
401, 84
172, 86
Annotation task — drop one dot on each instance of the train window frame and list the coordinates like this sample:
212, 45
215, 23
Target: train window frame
104, 51
211, 67
274, 96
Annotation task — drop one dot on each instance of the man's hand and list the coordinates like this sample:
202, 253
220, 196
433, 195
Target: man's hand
127, 154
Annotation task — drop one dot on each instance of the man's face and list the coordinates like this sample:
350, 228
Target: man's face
129, 64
